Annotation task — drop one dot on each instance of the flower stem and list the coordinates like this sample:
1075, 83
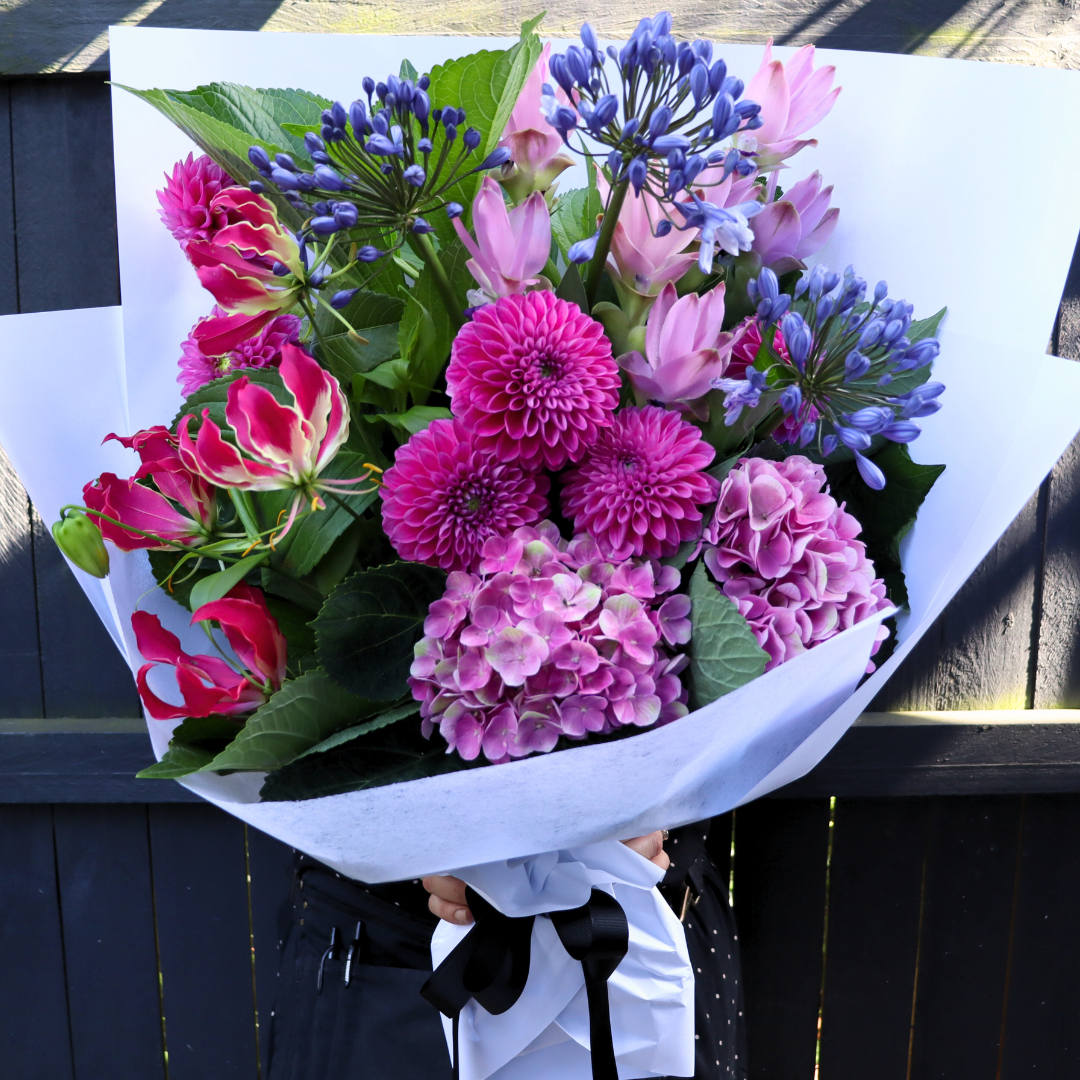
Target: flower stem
603, 243
422, 245
245, 511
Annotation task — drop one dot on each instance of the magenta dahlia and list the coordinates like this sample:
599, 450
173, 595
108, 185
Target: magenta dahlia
185, 200
534, 378
639, 489
445, 495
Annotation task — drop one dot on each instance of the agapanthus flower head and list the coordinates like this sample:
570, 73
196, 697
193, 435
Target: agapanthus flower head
791, 229
201, 364
640, 488
534, 378
787, 555
549, 640
443, 498
187, 200
843, 358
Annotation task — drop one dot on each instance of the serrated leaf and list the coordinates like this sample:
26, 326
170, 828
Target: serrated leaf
300, 715
215, 394
343, 357
384, 719
924, 328
369, 624
193, 745
724, 654
574, 216
179, 760
215, 586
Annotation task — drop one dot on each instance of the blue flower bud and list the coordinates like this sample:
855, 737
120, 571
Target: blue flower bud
871, 420
630, 128
421, 104
660, 120
368, 83
471, 139
577, 64
638, 172
423, 82
583, 250
384, 147
281, 270
614, 164
604, 113
391, 101
425, 146
306, 182
853, 438
320, 158
499, 156
381, 90
317, 277
259, 158
723, 109
342, 299
717, 75
358, 118
817, 279
663, 227
454, 210
284, 161
436, 114
699, 83
257, 186
807, 433
368, 254
872, 476
902, 431
661, 23
406, 92
665, 143
747, 109
828, 445
286, 181
415, 175
380, 124
686, 59
560, 73
855, 366
694, 164
676, 181
800, 286
393, 84
327, 179
588, 39
703, 50
345, 214
825, 307
881, 290
767, 284
338, 114
421, 226
563, 119
450, 132
791, 399
323, 226
732, 87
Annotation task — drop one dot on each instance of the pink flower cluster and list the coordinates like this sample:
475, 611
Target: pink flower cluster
786, 553
187, 200
549, 640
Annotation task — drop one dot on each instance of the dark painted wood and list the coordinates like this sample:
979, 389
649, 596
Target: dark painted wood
34, 1041
967, 916
204, 934
9, 278
875, 886
106, 900
780, 857
1042, 1023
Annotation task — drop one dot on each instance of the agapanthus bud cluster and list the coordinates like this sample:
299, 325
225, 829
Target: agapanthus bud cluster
843, 356
787, 555
549, 641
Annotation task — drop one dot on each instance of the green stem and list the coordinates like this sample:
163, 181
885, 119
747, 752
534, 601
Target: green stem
551, 272
422, 245
245, 510
603, 244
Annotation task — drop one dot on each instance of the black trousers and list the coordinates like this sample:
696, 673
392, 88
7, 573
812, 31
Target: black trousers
378, 1027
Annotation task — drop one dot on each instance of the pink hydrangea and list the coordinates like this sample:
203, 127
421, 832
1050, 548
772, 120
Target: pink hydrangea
185, 199
786, 554
534, 378
549, 640
197, 368
639, 489
445, 496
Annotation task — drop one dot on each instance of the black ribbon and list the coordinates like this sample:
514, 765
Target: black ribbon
491, 965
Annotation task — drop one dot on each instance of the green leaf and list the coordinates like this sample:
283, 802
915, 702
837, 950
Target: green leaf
384, 719
295, 623
343, 357
300, 715
369, 624
193, 746
886, 515
366, 308
414, 421
724, 654
215, 394
574, 216
215, 586
162, 563
407, 71
572, 290
924, 328
179, 760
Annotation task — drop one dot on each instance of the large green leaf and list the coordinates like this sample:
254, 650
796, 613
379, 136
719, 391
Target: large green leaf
300, 715
194, 744
369, 624
574, 216
384, 719
724, 654
214, 395
179, 760
215, 586
344, 357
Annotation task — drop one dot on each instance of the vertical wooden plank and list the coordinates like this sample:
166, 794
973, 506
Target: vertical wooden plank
1042, 1020
204, 934
970, 878
875, 885
781, 848
9, 271
270, 865
34, 1038
103, 867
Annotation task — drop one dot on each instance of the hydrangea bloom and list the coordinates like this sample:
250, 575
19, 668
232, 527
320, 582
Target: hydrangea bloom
199, 367
638, 490
549, 640
444, 497
186, 199
786, 554
534, 378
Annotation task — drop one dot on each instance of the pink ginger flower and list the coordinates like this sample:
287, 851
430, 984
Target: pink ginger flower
210, 685
511, 246
797, 226
793, 98
547, 640
536, 148
685, 349
202, 360
786, 554
187, 199
533, 378
443, 497
639, 489
180, 508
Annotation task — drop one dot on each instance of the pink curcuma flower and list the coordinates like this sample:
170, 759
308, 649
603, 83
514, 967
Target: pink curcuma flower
204, 359
793, 98
511, 246
685, 349
534, 379
443, 498
797, 226
785, 553
548, 641
210, 685
639, 489
536, 148
187, 198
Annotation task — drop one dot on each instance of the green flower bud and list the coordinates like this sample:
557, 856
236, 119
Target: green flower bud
80, 540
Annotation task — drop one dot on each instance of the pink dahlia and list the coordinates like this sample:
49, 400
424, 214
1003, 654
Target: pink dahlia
786, 553
445, 495
549, 640
199, 366
639, 488
534, 378
185, 200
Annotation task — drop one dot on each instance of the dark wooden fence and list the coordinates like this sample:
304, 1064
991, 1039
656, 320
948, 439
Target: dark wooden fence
884, 937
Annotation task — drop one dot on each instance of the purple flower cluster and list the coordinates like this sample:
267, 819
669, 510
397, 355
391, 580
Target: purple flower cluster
786, 554
550, 640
